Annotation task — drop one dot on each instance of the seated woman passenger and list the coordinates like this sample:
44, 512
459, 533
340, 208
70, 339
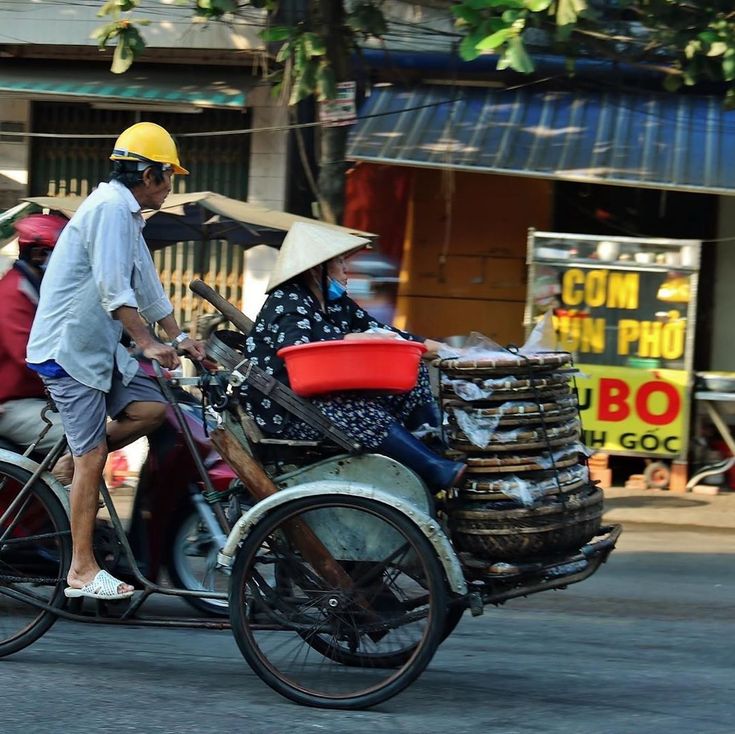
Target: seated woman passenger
306, 305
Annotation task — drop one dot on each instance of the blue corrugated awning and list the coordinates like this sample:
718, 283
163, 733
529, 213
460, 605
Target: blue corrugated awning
223, 88
664, 141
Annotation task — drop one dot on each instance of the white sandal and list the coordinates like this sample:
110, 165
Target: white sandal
103, 586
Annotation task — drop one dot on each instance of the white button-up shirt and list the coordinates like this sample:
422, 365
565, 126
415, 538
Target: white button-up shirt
100, 263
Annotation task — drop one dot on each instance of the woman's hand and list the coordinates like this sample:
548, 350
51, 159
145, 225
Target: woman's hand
432, 348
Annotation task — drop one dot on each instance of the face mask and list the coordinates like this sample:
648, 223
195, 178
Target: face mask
335, 290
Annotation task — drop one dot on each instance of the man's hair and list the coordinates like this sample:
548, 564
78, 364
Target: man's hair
130, 173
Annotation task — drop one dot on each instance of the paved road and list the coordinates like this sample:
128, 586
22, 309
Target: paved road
645, 646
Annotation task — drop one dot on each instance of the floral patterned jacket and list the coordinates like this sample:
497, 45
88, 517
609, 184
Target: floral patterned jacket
292, 315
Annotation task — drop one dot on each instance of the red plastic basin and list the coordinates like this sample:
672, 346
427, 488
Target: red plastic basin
388, 365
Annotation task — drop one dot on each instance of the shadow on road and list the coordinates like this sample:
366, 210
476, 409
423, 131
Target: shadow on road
651, 501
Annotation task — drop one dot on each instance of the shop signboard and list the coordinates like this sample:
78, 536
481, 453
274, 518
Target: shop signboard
625, 308
342, 109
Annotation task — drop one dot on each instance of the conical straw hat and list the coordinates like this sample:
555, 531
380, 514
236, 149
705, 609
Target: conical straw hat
306, 245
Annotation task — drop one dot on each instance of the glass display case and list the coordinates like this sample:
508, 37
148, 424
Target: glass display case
625, 308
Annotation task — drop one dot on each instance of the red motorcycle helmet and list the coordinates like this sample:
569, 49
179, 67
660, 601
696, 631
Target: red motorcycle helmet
39, 230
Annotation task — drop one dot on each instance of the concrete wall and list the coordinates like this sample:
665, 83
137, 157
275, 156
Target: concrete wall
723, 327
266, 186
13, 152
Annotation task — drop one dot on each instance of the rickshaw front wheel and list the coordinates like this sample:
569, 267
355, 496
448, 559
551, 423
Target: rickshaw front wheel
35, 552
323, 639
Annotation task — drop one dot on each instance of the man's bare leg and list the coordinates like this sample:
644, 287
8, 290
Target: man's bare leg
63, 469
137, 420
84, 494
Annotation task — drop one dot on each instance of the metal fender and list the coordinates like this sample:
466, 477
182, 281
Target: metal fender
9, 457
428, 526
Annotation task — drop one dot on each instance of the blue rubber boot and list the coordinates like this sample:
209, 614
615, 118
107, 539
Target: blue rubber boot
437, 472
425, 413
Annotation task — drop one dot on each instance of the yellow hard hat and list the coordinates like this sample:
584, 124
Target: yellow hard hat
146, 141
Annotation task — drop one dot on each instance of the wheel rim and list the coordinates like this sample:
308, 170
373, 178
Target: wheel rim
34, 549
195, 560
311, 639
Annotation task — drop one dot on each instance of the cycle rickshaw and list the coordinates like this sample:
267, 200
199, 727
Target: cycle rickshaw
342, 578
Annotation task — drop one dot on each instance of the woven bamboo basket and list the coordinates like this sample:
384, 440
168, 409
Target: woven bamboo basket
560, 523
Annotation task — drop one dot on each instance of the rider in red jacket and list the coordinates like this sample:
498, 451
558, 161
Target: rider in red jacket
22, 396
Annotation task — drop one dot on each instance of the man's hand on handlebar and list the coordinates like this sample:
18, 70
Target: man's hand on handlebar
164, 354
193, 348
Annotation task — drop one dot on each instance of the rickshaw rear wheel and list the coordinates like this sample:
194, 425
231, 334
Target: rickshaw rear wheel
35, 552
323, 643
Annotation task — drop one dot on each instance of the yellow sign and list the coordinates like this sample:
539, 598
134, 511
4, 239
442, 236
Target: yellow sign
593, 320
633, 410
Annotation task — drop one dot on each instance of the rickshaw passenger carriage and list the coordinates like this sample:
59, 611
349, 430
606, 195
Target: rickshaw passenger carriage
343, 581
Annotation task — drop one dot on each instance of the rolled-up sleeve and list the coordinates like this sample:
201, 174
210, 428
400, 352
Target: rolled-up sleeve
153, 305
109, 244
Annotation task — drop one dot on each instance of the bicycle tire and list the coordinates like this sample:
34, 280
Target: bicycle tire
364, 615
35, 552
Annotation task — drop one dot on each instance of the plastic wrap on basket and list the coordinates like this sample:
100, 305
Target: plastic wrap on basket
528, 492
484, 389
549, 460
476, 346
478, 429
468, 390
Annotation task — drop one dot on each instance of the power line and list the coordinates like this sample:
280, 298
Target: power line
221, 133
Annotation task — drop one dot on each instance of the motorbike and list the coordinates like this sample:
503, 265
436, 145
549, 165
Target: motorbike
179, 518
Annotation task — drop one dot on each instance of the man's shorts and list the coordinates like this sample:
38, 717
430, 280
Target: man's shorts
84, 409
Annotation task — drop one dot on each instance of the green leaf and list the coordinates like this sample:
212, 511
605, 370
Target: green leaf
496, 39
314, 45
730, 99
304, 82
468, 15
568, 11
300, 59
284, 52
105, 33
511, 16
326, 83
692, 48
484, 4
673, 82
518, 57
504, 62
728, 68
708, 36
537, 6
718, 48
468, 46
123, 57
367, 19
690, 76
115, 7
276, 33
215, 9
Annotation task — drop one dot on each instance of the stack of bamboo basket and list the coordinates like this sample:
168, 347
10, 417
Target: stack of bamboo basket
526, 493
